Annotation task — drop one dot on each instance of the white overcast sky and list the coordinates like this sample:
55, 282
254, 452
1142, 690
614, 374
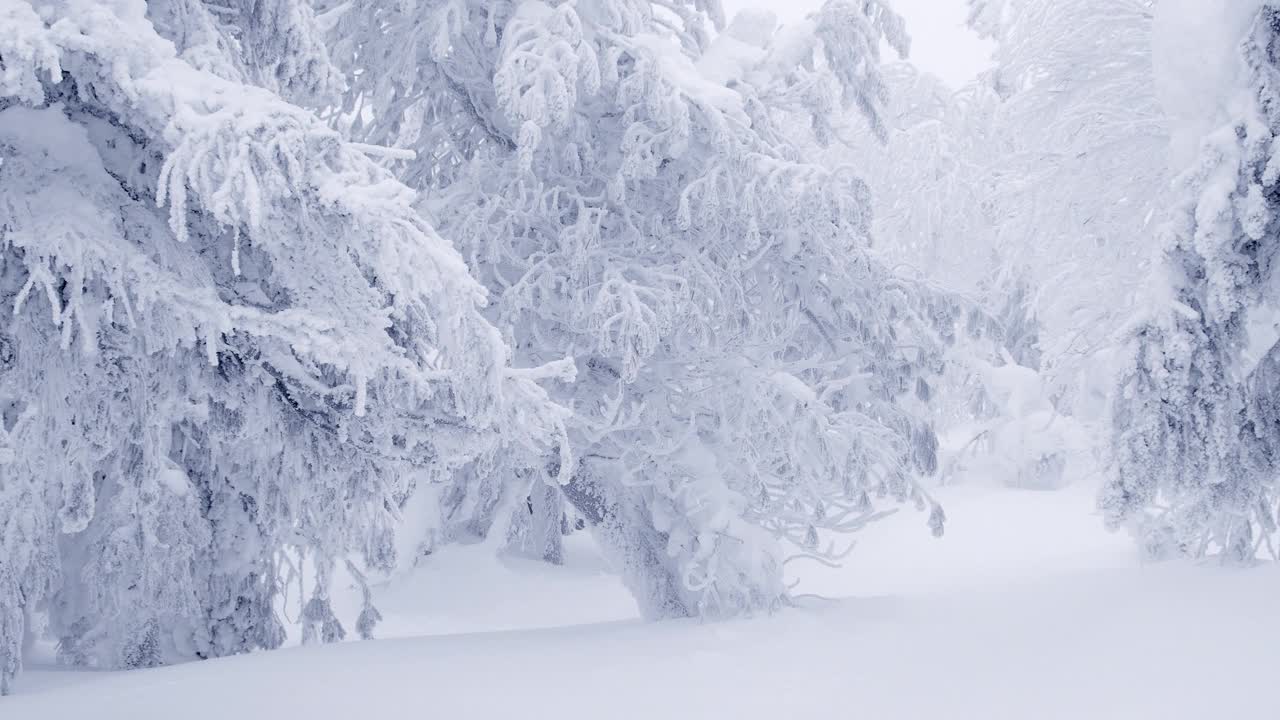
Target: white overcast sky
940, 42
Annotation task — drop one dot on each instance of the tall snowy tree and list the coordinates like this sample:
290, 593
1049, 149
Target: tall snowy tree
996, 190
1079, 113
624, 182
1197, 415
231, 349
942, 207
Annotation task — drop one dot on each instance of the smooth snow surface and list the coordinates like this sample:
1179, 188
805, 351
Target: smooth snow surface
1027, 610
466, 589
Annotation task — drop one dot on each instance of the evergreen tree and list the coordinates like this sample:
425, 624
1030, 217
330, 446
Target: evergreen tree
231, 348
1196, 412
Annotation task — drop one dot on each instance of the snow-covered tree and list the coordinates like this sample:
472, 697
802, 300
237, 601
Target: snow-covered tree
632, 190
232, 349
937, 201
994, 190
1196, 414
928, 179
1080, 113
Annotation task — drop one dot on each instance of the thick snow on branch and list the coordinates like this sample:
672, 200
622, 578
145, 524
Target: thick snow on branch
630, 192
236, 349
1195, 418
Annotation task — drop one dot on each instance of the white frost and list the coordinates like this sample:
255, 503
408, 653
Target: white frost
1196, 52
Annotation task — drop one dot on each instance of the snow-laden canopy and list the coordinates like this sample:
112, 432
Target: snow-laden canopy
232, 344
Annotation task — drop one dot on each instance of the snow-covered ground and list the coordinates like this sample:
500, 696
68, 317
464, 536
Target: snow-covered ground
1026, 610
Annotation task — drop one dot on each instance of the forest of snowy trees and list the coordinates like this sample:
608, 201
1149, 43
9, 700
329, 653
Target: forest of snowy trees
300, 289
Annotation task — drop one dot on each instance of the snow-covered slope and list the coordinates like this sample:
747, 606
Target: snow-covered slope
1130, 645
1048, 618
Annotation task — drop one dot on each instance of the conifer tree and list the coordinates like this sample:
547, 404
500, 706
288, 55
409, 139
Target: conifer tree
1196, 412
231, 347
